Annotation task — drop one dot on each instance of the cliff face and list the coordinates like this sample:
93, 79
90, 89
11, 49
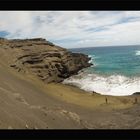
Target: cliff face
42, 58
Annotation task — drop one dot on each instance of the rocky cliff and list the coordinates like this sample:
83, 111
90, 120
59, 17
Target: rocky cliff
42, 58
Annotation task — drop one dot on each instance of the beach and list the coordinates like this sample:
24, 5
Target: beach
33, 94
28, 103
93, 100
118, 112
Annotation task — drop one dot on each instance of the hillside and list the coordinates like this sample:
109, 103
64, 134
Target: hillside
42, 58
32, 97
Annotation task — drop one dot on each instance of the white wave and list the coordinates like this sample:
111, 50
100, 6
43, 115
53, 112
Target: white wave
92, 60
93, 57
138, 52
90, 56
115, 85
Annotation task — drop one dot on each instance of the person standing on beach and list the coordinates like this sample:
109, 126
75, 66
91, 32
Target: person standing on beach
135, 101
106, 100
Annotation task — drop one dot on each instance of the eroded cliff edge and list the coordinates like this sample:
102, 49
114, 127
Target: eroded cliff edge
41, 58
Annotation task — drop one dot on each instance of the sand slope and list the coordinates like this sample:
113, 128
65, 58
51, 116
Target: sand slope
29, 104
23, 105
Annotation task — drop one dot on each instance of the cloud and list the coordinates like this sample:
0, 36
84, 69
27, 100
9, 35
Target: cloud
73, 28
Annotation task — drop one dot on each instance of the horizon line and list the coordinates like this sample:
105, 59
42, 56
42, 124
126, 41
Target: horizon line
103, 46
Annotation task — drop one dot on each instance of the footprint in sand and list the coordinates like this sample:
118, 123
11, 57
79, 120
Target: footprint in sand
20, 98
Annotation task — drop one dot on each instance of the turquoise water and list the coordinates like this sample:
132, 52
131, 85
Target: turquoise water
123, 60
116, 70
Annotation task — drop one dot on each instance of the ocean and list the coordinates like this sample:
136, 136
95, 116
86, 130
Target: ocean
116, 70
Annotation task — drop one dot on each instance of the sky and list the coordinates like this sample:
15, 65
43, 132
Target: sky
71, 29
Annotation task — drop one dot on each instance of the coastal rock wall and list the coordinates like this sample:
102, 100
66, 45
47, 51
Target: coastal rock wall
42, 58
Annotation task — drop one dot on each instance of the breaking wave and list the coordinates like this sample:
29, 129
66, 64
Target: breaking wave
93, 57
138, 52
115, 85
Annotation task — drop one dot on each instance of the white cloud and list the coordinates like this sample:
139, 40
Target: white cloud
74, 28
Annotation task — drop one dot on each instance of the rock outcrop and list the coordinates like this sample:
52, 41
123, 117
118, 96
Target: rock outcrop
42, 58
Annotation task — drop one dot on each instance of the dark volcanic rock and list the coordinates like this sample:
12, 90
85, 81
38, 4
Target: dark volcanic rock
42, 58
136, 93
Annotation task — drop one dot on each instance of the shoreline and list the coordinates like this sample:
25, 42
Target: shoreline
74, 95
93, 93
50, 105
97, 93
112, 85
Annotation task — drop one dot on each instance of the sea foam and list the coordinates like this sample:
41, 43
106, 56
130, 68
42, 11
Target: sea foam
92, 58
138, 52
115, 85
